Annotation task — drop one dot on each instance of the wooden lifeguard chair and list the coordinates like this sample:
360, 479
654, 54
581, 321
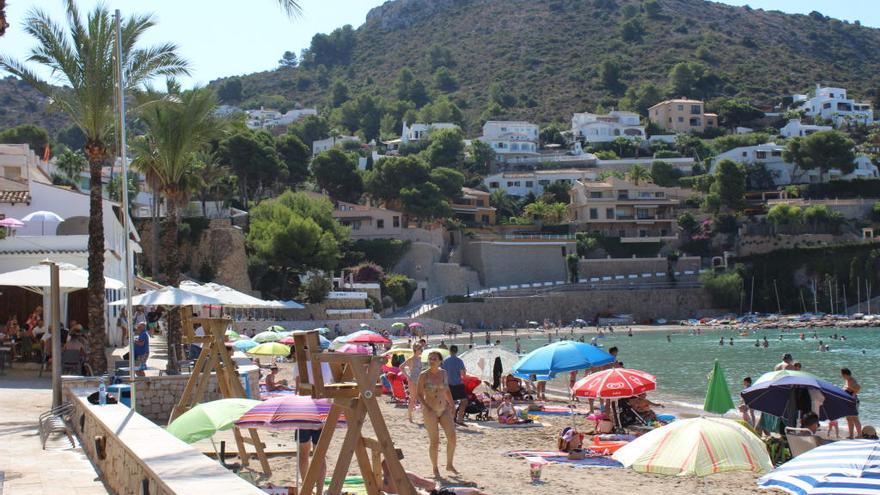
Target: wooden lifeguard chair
353, 392
215, 358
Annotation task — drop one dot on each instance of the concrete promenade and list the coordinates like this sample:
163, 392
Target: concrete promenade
25, 468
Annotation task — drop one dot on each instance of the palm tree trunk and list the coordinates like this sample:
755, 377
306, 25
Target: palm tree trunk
95, 151
154, 236
172, 277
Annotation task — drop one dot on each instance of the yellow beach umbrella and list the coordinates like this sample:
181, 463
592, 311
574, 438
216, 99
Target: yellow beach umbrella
407, 353
696, 447
270, 349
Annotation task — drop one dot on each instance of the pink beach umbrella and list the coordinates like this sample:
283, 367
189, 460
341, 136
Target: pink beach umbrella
11, 223
355, 349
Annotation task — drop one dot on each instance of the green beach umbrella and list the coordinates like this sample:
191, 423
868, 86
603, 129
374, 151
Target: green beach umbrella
397, 325
275, 328
323, 330
203, 420
267, 337
718, 395
232, 334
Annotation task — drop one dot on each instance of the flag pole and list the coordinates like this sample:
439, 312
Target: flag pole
126, 220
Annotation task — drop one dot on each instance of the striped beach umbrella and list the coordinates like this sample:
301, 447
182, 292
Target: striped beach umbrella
616, 382
849, 467
288, 412
696, 447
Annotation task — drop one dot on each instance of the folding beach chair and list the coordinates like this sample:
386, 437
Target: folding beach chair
800, 440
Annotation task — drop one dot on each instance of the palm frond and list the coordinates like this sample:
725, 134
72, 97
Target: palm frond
292, 8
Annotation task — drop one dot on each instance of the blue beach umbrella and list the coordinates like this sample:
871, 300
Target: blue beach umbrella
781, 392
849, 467
561, 356
244, 345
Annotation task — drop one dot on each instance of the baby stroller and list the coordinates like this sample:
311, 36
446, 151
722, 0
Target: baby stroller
477, 406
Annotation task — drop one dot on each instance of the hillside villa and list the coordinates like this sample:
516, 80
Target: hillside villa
593, 128
522, 183
511, 140
417, 132
832, 104
369, 222
619, 208
682, 115
473, 207
332, 141
770, 156
796, 128
268, 118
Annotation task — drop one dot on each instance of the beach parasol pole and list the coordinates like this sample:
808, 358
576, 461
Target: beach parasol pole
129, 285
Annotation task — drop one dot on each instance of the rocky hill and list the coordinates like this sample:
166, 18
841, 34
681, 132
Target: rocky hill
551, 58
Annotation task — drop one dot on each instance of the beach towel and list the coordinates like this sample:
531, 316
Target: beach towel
559, 411
352, 484
494, 425
591, 460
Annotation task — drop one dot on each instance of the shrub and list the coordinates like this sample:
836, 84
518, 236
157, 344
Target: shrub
606, 155
400, 287
875, 212
383, 252
667, 154
374, 304
724, 288
316, 289
368, 272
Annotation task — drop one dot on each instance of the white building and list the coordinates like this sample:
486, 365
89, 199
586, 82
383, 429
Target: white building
522, 183
325, 144
770, 155
832, 104
66, 241
265, 119
417, 132
593, 128
511, 139
795, 128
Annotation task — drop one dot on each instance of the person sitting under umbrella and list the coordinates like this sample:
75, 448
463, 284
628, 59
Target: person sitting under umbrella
272, 382
641, 405
811, 422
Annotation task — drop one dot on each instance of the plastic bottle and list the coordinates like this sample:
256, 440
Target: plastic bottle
102, 392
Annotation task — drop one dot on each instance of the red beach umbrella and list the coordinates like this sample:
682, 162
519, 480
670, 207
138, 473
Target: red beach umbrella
366, 337
615, 383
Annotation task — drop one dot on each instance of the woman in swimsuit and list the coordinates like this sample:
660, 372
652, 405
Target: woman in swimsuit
413, 367
437, 410
852, 387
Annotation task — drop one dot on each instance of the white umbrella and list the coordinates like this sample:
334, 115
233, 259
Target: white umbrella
226, 295
70, 278
168, 296
43, 217
480, 360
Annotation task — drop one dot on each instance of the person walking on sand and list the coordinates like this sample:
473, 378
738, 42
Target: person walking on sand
438, 408
413, 367
455, 371
852, 387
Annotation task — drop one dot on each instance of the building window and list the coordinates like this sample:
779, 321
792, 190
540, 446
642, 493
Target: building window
396, 221
485, 219
760, 155
543, 182
696, 110
775, 153
680, 108
663, 232
530, 183
594, 213
493, 185
480, 202
643, 233
595, 194
517, 183
380, 224
356, 225
609, 212
826, 105
509, 184
681, 119
695, 122
621, 233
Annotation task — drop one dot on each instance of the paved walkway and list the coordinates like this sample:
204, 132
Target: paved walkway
25, 468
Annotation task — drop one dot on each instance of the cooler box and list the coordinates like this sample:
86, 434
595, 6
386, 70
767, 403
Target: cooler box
122, 393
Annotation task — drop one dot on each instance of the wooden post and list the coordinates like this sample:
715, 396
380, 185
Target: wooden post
215, 358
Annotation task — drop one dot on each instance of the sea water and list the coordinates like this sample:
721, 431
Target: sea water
682, 365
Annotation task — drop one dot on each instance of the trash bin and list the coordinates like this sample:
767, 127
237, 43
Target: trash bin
122, 393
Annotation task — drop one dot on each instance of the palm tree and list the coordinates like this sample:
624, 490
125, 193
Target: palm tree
80, 57
503, 203
537, 211
178, 128
638, 173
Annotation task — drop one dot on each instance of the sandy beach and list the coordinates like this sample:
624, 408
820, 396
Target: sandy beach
481, 461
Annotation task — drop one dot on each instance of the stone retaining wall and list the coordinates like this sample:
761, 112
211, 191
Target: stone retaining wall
430, 326
567, 306
157, 395
134, 456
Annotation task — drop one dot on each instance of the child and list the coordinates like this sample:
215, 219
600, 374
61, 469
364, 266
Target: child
506, 411
832, 425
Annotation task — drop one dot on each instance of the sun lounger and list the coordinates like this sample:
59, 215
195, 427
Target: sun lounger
494, 425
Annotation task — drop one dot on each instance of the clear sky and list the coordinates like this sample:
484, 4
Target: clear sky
225, 37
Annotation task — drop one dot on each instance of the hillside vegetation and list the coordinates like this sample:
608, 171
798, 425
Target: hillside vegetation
543, 60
